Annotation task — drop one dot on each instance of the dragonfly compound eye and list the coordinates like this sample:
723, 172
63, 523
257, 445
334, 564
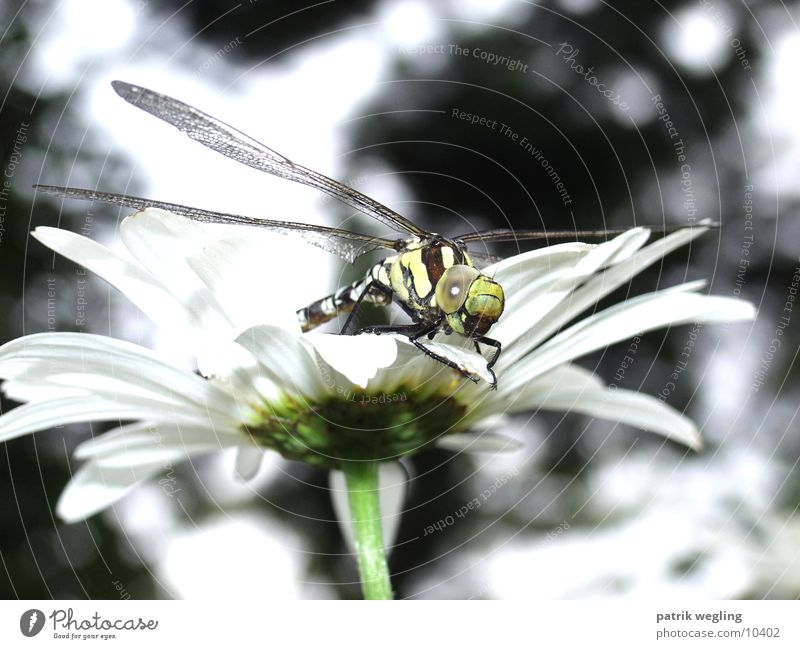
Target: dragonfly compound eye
485, 299
453, 288
482, 308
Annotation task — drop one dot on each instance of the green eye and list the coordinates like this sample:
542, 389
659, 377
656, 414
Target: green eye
453, 287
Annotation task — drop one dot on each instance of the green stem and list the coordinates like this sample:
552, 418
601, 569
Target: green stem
362, 487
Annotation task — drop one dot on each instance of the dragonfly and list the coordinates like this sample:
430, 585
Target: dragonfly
436, 280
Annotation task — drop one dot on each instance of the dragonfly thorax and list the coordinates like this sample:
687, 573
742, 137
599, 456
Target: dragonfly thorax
435, 281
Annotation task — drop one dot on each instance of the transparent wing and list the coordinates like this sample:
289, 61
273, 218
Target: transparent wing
234, 144
482, 260
345, 244
506, 234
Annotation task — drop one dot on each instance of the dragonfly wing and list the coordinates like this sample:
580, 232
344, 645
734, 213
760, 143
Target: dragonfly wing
482, 260
506, 234
230, 142
345, 244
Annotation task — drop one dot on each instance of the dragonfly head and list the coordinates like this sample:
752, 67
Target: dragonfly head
471, 301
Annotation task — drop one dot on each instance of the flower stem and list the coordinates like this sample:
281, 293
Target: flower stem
362, 487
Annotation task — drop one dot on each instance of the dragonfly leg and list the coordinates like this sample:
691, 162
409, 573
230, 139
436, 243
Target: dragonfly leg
430, 353
373, 285
492, 343
429, 330
414, 332
403, 330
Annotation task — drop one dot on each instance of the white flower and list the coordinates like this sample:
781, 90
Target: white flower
321, 398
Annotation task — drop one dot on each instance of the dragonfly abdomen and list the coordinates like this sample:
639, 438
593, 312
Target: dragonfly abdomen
344, 300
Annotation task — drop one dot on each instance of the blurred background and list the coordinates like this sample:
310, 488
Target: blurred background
460, 114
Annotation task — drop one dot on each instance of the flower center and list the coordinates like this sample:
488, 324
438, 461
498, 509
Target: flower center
356, 426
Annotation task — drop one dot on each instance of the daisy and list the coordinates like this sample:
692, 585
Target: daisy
353, 404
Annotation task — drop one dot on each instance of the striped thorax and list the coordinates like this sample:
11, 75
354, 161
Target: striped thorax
436, 282
433, 281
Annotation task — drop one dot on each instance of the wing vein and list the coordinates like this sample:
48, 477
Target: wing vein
232, 143
345, 244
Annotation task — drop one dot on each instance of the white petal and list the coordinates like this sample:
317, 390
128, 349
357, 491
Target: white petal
544, 293
139, 286
625, 406
623, 246
38, 390
145, 456
471, 362
412, 370
490, 410
597, 288
533, 285
221, 358
358, 358
485, 418
93, 488
516, 272
152, 234
229, 267
102, 365
248, 381
284, 359
608, 253
392, 485
161, 241
40, 416
563, 377
617, 250
478, 443
248, 462
135, 441
79, 384
660, 309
